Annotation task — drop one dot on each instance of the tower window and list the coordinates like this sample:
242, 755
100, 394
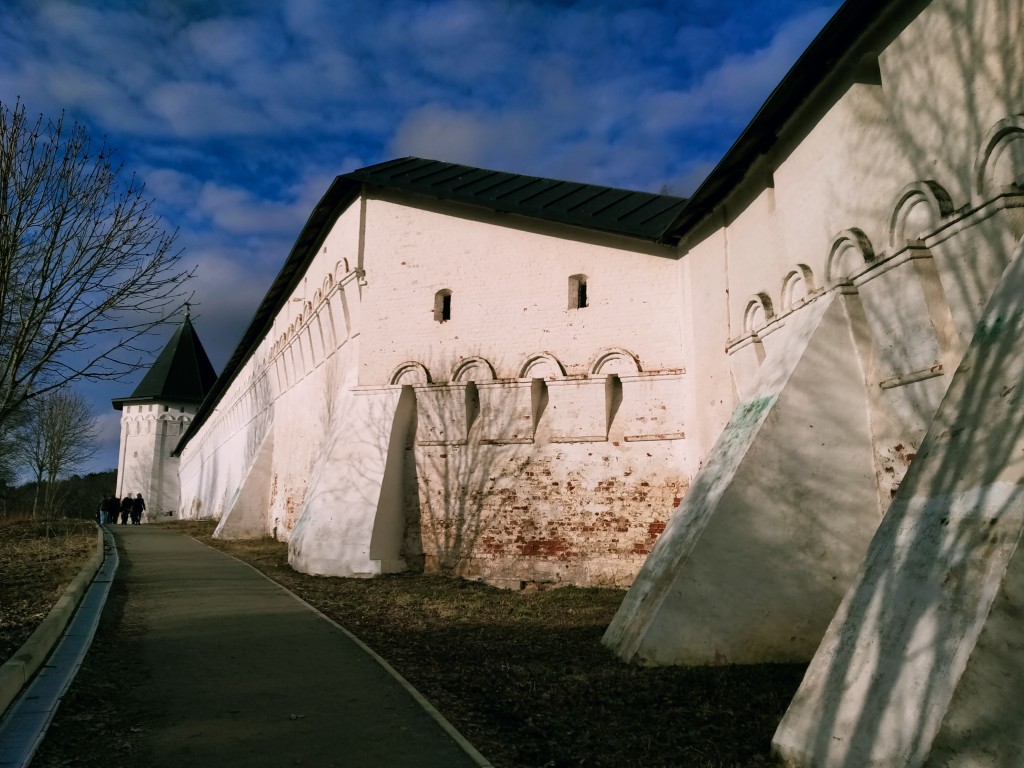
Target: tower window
578, 292
443, 306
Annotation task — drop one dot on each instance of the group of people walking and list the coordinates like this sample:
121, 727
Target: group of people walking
111, 509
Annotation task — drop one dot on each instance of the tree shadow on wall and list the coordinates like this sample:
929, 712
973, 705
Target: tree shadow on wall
403, 466
935, 559
461, 462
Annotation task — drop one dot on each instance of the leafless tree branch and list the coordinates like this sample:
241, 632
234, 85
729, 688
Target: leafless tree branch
86, 267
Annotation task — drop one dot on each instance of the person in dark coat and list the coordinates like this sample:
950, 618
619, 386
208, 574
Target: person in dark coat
138, 505
126, 509
112, 507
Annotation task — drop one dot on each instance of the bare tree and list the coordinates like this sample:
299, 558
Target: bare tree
58, 436
86, 268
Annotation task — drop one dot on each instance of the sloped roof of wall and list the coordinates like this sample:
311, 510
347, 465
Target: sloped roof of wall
620, 211
181, 374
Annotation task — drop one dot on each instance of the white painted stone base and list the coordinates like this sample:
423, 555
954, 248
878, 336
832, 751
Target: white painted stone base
353, 520
245, 515
922, 664
755, 560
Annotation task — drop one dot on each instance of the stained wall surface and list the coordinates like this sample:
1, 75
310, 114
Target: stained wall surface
523, 438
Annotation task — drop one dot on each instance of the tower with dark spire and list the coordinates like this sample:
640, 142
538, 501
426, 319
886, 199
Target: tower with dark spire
156, 415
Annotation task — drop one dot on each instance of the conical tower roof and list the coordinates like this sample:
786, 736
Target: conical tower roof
181, 374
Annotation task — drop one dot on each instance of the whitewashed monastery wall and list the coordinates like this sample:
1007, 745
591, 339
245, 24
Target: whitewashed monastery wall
544, 433
536, 433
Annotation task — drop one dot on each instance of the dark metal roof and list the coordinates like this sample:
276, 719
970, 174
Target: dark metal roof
181, 374
624, 212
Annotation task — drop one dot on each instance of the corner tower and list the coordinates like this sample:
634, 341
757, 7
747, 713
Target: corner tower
155, 417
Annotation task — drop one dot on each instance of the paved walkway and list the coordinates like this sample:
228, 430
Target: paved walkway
241, 673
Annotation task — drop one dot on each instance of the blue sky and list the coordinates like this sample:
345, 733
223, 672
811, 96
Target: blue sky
237, 114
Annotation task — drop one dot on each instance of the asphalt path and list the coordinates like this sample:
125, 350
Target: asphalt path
240, 672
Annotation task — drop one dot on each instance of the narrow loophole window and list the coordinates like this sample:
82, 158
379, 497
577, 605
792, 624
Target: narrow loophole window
578, 292
443, 306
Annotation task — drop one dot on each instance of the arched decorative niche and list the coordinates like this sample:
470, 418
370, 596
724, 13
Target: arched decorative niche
918, 209
473, 369
1000, 163
758, 313
542, 366
851, 251
797, 286
410, 372
615, 361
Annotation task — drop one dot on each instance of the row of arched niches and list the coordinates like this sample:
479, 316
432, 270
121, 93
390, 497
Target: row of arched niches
919, 210
614, 400
172, 424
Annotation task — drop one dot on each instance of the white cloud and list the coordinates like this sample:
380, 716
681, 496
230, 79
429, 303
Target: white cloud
236, 210
108, 426
737, 85
437, 132
198, 109
171, 187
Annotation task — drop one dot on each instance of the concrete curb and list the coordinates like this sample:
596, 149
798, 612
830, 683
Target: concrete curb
19, 669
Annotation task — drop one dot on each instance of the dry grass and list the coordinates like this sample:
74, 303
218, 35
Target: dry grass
525, 678
38, 560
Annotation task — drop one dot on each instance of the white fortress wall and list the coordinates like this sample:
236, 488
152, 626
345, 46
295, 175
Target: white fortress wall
214, 463
548, 441
137, 461
843, 203
509, 278
747, 568
263, 421
331, 488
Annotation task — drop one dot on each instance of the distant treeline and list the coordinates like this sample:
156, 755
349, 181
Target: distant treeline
79, 496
